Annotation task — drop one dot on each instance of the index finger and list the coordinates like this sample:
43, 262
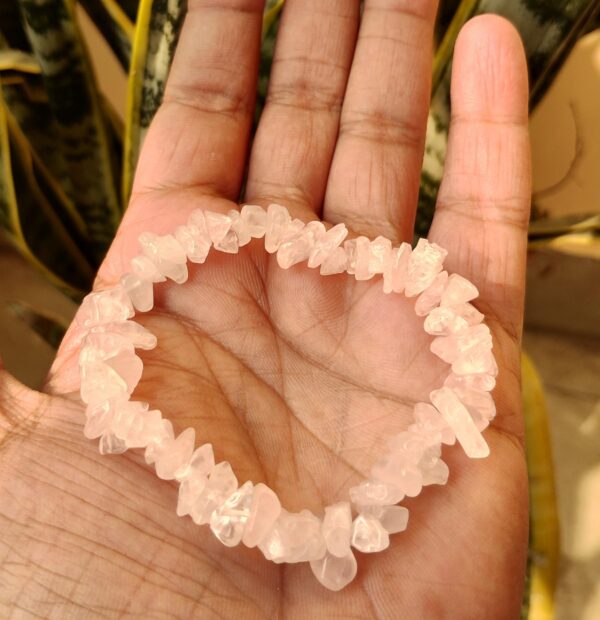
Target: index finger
199, 136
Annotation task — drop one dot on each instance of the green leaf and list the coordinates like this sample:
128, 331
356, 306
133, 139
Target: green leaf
561, 24
31, 219
11, 26
49, 186
36, 121
17, 60
28, 103
443, 54
272, 11
269, 35
157, 32
81, 128
115, 26
130, 8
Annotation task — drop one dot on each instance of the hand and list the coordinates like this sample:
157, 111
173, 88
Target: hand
295, 378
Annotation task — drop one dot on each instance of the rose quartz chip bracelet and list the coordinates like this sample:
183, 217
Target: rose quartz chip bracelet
251, 513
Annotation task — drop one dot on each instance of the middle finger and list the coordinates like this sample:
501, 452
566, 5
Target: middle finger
296, 135
374, 178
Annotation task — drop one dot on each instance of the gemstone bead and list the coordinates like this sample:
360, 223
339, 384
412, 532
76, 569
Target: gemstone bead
443, 321
103, 307
336, 262
176, 455
221, 233
394, 519
111, 444
128, 366
368, 535
359, 257
221, 483
298, 248
482, 382
476, 360
351, 248
469, 313
100, 382
278, 219
254, 219
98, 418
334, 572
264, 512
409, 446
337, 527
167, 254
379, 251
194, 478
125, 415
239, 228
137, 335
201, 462
291, 230
373, 492
295, 537
479, 404
458, 291
229, 520
135, 424
458, 418
159, 442
154, 427
194, 239
430, 422
450, 348
140, 291
189, 491
326, 245
424, 264
371, 256
100, 346
436, 474
430, 298
398, 470
395, 269
146, 269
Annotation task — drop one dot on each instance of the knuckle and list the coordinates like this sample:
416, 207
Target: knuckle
381, 128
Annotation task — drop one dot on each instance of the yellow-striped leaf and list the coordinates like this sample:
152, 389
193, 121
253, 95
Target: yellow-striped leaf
81, 128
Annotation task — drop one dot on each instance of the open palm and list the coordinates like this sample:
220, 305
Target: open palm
297, 379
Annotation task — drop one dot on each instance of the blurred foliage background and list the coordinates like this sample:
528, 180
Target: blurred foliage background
67, 158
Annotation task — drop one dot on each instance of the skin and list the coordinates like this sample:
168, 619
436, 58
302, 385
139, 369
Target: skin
297, 379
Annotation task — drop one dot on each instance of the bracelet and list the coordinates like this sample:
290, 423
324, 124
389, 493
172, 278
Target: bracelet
209, 491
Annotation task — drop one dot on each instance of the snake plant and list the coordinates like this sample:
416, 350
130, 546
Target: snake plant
66, 161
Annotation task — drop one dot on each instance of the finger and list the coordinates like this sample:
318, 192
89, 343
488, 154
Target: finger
374, 177
483, 206
296, 136
199, 136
